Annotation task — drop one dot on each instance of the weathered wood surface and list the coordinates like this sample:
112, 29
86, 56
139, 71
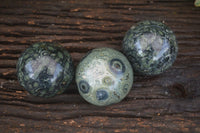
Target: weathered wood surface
169, 102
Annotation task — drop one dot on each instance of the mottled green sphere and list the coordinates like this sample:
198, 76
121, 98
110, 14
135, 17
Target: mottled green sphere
150, 47
104, 76
45, 69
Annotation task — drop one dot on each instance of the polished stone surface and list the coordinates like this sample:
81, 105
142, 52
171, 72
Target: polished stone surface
104, 76
150, 47
45, 69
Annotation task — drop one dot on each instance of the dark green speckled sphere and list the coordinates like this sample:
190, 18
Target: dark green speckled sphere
45, 69
104, 76
150, 47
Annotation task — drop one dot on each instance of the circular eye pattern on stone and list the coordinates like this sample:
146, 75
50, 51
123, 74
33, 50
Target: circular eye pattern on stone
101, 95
84, 86
117, 66
125, 89
108, 80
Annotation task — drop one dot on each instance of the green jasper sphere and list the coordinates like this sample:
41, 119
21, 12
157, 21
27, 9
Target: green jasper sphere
104, 76
45, 69
150, 47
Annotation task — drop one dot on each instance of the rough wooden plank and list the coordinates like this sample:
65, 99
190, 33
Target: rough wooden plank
168, 102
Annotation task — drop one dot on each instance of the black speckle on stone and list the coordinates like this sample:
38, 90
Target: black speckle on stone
101, 95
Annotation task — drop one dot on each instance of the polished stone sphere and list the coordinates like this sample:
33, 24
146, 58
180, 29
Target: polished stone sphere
45, 69
150, 47
104, 76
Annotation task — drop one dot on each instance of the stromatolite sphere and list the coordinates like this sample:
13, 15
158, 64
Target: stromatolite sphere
45, 69
150, 47
104, 76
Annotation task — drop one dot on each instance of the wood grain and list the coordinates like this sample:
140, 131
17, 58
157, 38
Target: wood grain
167, 103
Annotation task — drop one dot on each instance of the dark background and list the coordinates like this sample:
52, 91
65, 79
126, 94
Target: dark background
169, 102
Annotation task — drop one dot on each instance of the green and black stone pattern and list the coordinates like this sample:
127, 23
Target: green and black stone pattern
104, 76
45, 69
151, 47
